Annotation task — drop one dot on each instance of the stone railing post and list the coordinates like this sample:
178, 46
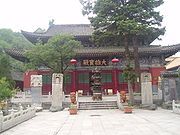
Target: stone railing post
1, 120
23, 96
173, 105
49, 96
13, 122
77, 100
63, 97
20, 107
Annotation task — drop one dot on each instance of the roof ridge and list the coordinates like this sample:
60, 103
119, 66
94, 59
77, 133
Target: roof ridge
69, 24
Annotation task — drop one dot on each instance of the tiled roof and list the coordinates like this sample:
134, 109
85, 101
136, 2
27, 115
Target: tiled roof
77, 30
173, 64
67, 29
70, 29
17, 54
119, 51
170, 74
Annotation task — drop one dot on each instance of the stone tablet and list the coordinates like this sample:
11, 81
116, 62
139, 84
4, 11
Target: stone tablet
146, 89
57, 92
36, 90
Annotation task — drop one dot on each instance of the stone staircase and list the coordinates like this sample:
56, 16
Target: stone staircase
95, 105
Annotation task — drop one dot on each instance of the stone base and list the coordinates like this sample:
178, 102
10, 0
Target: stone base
72, 111
97, 96
167, 105
39, 109
127, 109
149, 106
55, 108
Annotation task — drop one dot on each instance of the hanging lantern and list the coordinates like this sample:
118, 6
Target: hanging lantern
73, 61
115, 60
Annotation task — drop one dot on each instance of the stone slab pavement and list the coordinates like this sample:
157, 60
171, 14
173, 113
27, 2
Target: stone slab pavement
100, 122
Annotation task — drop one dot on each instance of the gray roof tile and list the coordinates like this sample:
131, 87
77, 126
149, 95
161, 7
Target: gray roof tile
70, 29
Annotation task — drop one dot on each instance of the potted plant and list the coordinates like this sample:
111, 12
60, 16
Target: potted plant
73, 109
6, 92
73, 97
123, 96
128, 108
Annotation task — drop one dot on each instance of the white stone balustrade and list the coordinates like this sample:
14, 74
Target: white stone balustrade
26, 98
22, 98
176, 107
15, 118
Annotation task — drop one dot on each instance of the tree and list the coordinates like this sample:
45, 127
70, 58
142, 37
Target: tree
6, 91
116, 19
55, 54
4, 66
51, 22
10, 39
124, 23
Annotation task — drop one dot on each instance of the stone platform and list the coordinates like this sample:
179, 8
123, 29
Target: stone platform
100, 122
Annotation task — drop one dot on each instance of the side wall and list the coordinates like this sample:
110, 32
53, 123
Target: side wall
46, 78
155, 72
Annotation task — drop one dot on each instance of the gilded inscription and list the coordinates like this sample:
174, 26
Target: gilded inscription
94, 62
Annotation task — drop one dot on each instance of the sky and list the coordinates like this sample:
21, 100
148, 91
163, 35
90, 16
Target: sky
28, 15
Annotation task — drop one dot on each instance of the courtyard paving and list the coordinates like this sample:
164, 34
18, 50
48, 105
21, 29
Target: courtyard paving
100, 122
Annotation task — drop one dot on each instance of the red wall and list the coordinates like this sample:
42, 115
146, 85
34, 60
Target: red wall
27, 78
83, 86
155, 72
46, 88
86, 86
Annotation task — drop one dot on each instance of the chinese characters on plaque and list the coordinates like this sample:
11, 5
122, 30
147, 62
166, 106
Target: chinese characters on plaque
94, 62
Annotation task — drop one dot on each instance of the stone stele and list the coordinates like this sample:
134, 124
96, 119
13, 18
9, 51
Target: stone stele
146, 89
57, 92
36, 90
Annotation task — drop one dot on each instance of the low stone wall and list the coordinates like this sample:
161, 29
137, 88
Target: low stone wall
23, 98
176, 107
15, 118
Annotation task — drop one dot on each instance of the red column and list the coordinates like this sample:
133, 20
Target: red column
73, 62
115, 80
115, 61
74, 81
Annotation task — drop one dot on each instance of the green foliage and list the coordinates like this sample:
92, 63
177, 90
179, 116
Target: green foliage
5, 66
6, 90
55, 54
126, 23
73, 106
10, 39
129, 73
118, 18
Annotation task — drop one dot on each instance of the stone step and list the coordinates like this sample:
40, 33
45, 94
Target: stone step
90, 102
84, 107
98, 108
97, 105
